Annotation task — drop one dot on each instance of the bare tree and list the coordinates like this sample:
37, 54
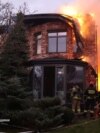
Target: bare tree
24, 8
5, 13
6, 20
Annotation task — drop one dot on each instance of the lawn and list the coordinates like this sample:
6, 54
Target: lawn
92, 126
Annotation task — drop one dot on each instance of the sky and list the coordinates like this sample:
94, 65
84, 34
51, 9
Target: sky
39, 6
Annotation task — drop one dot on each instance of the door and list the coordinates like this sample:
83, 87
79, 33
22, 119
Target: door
49, 81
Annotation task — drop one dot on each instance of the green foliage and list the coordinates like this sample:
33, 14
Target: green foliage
14, 103
53, 113
50, 114
25, 118
13, 73
22, 112
47, 102
14, 56
45, 113
68, 115
3, 104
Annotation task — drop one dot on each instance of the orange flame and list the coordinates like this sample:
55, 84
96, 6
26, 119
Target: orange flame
80, 16
71, 11
86, 21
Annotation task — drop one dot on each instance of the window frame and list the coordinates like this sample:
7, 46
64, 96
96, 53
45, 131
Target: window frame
38, 43
57, 37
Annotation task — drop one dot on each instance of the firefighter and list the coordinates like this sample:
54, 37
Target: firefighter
76, 99
90, 98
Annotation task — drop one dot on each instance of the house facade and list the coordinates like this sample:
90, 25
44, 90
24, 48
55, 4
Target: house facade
56, 53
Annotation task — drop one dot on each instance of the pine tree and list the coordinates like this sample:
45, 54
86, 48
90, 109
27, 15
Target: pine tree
13, 73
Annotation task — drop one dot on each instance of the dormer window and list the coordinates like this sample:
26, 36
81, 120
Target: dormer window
57, 42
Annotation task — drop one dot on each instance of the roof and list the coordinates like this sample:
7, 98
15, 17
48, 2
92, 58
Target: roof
57, 61
35, 19
52, 61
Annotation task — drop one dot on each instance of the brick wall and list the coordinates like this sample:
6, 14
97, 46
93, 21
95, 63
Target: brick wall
90, 51
44, 28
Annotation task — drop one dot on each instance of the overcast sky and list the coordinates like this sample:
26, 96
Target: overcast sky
40, 6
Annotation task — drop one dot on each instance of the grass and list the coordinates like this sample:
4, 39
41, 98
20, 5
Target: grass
92, 126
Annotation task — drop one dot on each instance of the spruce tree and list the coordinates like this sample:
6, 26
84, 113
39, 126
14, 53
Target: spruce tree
13, 73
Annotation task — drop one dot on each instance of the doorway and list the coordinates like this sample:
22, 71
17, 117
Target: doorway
49, 81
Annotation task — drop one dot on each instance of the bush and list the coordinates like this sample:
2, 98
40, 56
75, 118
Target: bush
68, 115
14, 103
53, 111
25, 118
47, 102
43, 122
45, 114
2, 104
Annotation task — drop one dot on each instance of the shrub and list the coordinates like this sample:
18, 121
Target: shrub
14, 103
2, 104
68, 115
45, 114
43, 122
47, 102
25, 118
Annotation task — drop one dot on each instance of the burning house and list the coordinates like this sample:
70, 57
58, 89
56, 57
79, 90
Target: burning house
59, 55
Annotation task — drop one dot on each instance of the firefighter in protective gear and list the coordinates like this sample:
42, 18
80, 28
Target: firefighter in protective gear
90, 98
76, 99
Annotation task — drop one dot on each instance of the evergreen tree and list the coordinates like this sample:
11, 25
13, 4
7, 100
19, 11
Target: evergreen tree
13, 73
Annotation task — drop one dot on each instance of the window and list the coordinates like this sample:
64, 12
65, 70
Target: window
60, 78
38, 42
37, 82
74, 75
60, 84
57, 42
